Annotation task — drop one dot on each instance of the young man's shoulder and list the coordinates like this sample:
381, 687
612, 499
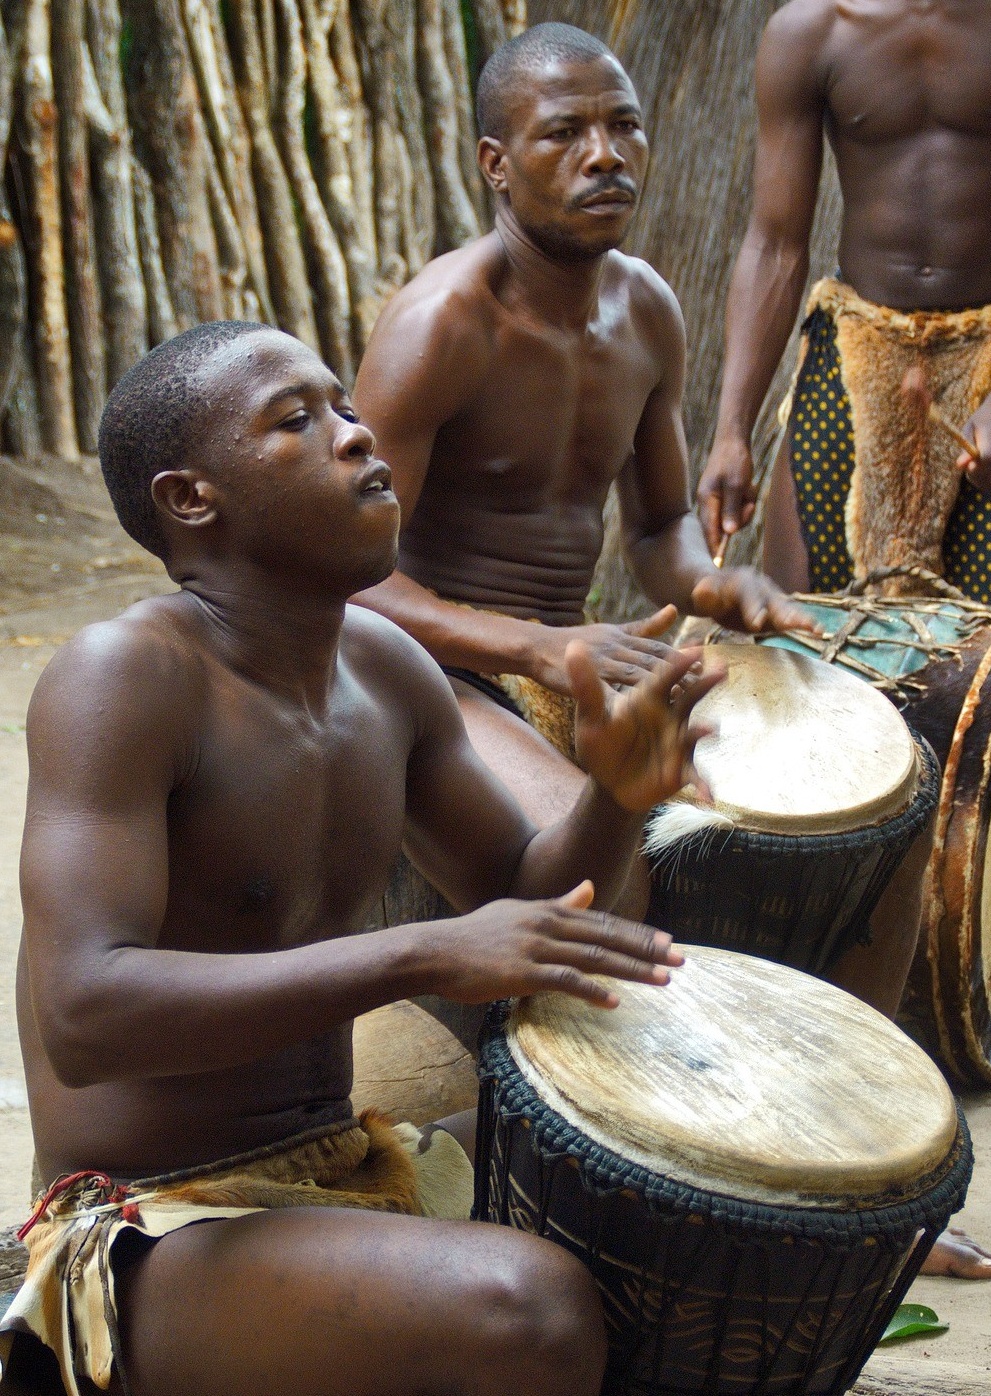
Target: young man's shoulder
143, 662
389, 660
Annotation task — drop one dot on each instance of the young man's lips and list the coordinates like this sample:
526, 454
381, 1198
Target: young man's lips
375, 479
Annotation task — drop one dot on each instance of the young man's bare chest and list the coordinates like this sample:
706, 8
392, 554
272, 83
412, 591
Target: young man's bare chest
288, 826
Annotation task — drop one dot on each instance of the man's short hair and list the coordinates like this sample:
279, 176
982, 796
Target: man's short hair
149, 421
529, 52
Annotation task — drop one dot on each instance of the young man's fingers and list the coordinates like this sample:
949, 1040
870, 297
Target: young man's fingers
589, 692
579, 897
604, 932
653, 626
710, 507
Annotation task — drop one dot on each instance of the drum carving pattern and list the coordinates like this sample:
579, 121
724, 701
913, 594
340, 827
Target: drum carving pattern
720, 1289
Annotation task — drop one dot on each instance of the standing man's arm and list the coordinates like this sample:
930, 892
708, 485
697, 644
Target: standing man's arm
661, 534
766, 286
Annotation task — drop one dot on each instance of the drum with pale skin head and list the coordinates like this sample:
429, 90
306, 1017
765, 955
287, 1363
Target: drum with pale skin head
752, 1163
818, 790
932, 657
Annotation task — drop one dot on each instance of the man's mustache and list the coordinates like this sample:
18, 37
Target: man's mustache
606, 184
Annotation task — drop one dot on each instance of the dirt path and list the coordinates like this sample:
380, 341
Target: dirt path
66, 565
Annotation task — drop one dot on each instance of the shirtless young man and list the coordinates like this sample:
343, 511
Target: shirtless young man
902, 88
511, 383
220, 782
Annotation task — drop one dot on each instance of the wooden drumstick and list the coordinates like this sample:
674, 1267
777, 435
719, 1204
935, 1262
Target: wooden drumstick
720, 555
914, 386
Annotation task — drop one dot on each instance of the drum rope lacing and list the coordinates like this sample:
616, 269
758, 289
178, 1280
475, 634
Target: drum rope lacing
969, 617
893, 1223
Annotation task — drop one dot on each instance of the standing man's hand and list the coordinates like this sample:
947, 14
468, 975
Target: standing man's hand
726, 494
978, 429
620, 654
638, 745
741, 598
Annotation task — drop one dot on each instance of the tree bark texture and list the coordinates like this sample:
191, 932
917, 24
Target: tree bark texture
693, 67
173, 161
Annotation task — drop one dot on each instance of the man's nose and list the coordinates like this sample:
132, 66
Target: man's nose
354, 439
603, 152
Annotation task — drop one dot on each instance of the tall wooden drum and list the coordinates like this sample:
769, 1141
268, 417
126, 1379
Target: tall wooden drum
819, 789
932, 657
752, 1163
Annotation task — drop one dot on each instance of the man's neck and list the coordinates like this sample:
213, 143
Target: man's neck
562, 293
282, 638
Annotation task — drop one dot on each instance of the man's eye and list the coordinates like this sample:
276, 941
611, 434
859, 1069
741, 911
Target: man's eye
296, 422
348, 413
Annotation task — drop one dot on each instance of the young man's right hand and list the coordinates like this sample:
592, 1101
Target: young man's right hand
514, 948
726, 494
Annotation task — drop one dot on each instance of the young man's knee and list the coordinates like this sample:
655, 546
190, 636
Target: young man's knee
543, 1304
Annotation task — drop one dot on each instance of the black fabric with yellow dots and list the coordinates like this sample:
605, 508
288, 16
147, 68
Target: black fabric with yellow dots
822, 456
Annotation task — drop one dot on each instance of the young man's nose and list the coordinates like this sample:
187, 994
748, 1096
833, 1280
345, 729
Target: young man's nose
354, 439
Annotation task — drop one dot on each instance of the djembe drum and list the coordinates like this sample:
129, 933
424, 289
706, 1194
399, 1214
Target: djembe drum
932, 657
819, 789
752, 1163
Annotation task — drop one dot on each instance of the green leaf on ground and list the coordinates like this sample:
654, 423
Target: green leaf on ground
909, 1319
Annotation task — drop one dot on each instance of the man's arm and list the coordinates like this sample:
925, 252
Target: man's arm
112, 734
769, 274
662, 535
426, 359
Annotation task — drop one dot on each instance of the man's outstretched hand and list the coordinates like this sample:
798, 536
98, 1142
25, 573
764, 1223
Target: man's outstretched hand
622, 654
639, 744
515, 948
741, 598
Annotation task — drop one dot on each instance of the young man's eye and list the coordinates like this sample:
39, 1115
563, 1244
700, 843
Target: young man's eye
296, 422
347, 412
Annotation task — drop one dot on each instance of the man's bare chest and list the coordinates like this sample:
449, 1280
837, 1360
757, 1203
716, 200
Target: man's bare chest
555, 413
899, 70
286, 829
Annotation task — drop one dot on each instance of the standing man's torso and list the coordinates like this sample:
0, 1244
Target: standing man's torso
907, 91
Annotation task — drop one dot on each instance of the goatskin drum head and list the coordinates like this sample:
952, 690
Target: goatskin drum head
801, 747
745, 1078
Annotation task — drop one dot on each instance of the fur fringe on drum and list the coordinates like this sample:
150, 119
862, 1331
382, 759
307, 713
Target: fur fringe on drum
905, 480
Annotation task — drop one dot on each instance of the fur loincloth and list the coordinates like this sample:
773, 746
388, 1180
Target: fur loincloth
905, 481
67, 1299
551, 714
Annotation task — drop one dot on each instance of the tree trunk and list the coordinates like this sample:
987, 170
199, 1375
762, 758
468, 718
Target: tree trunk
38, 142
168, 124
125, 301
85, 314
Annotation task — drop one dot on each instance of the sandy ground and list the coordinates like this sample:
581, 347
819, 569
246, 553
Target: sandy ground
65, 566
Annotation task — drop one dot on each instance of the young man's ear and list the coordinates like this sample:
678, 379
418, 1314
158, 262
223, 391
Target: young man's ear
185, 497
491, 159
